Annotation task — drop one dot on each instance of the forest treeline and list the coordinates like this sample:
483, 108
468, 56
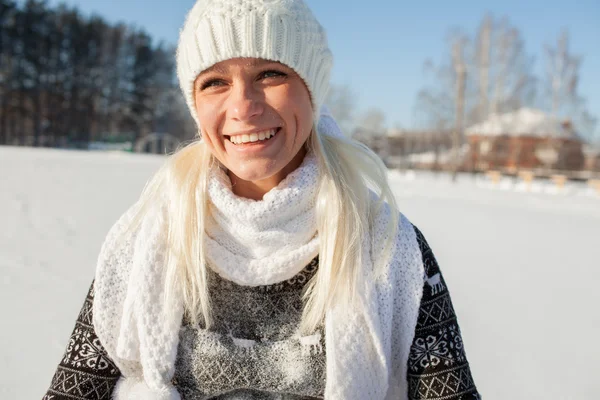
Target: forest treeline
68, 79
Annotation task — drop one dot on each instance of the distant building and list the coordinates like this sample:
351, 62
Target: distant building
408, 148
524, 139
592, 157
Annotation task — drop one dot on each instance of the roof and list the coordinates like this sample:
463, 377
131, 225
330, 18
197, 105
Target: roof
523, 122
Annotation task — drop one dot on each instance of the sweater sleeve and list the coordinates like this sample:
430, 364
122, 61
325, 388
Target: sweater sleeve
85, 371
437, 363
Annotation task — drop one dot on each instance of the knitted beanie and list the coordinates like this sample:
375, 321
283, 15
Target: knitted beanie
279, 30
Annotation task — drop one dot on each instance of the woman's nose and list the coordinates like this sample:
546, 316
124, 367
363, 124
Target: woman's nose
246, 102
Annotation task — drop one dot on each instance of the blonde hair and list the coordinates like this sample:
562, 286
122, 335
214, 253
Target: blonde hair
349, 174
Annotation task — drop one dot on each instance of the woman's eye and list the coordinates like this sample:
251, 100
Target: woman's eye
272, 74
211, 83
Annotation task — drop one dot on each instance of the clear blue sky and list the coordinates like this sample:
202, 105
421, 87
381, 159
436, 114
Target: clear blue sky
380, 45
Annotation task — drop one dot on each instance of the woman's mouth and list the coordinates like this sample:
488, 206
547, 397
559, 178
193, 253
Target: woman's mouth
256, 137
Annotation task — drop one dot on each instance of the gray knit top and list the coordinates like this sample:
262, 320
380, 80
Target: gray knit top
253, 350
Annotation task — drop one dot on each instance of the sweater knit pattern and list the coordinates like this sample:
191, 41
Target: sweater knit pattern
85, 371
253, 349
437, 364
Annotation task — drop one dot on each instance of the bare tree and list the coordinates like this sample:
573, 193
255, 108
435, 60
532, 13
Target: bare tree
562, 69
561, 86
514, 81
434, 107
480, 74
371, 130
342, 104
460, 71
501, 77
372, 122
484, 37
441, 105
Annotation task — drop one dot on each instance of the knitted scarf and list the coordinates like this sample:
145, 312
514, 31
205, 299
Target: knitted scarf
255, 243
367, 346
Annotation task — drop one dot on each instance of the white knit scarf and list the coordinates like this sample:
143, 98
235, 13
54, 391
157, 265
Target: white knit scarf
254, 243
367, 346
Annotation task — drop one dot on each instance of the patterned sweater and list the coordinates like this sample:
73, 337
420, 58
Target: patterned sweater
240, 356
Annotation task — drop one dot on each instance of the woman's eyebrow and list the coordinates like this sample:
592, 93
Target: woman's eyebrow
220, 69
215, 68
260, 62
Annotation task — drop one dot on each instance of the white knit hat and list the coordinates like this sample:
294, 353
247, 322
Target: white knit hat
279, 30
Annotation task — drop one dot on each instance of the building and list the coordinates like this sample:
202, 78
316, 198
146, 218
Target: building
592, 157
524, 139
399, 148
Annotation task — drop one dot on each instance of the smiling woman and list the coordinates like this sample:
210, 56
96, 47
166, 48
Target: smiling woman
256, 117
268, 259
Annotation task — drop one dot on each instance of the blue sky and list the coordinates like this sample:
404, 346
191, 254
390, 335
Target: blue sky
380, 45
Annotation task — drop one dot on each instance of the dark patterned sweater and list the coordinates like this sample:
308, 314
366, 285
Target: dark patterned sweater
253, 351
240, 357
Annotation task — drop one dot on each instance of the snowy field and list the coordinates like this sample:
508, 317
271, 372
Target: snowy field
522, 267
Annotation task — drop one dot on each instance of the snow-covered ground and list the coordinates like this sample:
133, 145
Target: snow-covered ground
522, 267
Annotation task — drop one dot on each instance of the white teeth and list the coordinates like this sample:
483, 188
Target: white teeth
253, 137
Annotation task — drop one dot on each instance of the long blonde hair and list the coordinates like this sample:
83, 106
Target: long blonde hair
349, 174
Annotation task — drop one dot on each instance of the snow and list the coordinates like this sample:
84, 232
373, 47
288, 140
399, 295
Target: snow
522, 267
523, 122
429, 157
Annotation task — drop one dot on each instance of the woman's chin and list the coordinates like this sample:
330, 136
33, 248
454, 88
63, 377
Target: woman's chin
259, 173
263, 172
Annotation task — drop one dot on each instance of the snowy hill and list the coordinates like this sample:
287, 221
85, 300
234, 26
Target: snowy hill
522, 268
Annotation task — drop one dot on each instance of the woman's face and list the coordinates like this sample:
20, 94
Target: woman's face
255, 116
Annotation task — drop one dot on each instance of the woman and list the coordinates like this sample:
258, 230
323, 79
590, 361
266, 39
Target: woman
268, 260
